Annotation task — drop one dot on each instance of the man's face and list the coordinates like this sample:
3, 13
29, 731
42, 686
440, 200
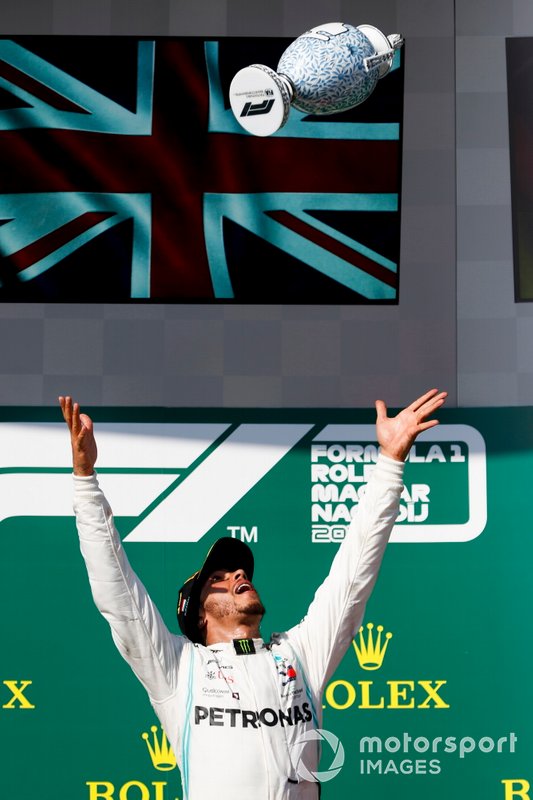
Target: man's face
228, 593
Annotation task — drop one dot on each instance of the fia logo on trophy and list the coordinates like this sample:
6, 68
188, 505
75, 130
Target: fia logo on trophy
327, 70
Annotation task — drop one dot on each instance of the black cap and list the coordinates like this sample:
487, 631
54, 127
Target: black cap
227, 553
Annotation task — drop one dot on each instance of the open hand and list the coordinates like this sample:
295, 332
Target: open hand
397, 434
82, 439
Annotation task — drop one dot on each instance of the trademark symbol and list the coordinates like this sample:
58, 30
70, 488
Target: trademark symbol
241, 532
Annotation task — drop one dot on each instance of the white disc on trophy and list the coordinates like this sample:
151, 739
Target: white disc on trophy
260, 99
381, 45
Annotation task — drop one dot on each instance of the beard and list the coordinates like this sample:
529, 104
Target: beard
222, 606
254, 607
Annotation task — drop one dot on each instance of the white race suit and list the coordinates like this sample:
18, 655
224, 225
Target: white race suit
236, 722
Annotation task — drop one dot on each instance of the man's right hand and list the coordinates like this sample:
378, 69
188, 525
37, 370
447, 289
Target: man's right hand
82, 439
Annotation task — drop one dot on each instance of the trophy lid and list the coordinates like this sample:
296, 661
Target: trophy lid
260, 99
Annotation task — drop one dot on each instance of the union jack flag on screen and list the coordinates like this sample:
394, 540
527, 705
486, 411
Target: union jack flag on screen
124, 177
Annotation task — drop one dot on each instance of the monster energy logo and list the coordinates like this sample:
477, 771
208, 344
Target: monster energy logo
244, 647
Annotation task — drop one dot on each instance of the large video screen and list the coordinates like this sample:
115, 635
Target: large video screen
125, 177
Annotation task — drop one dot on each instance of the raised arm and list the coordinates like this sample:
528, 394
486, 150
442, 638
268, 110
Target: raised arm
138, 631
337, 610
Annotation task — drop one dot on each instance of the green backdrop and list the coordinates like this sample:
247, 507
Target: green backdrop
447, 710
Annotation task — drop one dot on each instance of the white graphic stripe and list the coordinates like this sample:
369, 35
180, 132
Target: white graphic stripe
50, 494
121, 445
46, 445
218, 483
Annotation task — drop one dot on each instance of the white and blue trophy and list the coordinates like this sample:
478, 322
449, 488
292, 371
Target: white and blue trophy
327, 70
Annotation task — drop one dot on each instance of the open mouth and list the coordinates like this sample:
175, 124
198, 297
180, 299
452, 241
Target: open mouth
244, 587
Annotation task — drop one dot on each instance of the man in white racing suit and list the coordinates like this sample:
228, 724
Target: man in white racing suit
241, 714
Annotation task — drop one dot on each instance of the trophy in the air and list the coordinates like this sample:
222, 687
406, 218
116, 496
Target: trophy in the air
329, 69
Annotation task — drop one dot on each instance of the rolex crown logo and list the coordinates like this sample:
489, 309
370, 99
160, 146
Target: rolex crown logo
160, 751
370, 651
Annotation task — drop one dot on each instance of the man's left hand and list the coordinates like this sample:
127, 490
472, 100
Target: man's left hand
396, 435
